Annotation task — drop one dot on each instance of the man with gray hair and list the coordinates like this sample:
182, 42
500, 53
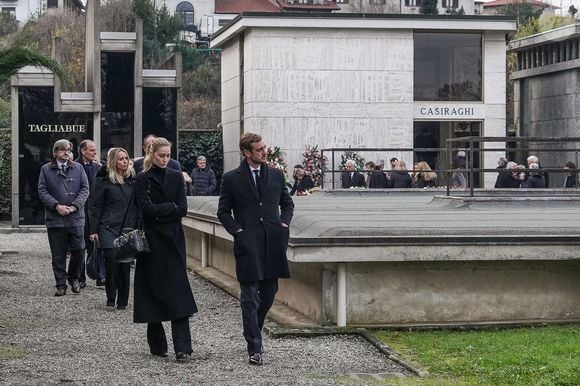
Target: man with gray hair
203, 178
350, 177
534, 160
63, 188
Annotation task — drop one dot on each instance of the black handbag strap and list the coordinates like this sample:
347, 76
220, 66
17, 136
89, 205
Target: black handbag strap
128, 206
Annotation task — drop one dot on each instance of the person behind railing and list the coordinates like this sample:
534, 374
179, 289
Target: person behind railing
458, 180
302, 181
535, 180
350, 177
369, 168
508, 177
378, 179
400, 178
393, 161
501, 163
534, 160
571, 175
425, 177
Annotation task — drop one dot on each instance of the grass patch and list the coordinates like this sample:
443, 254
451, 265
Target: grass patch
10, 352
524, 356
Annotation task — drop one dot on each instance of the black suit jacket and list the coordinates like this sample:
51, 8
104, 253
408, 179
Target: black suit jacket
357, 180
260, 247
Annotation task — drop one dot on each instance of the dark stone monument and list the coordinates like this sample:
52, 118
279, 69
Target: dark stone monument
122, 102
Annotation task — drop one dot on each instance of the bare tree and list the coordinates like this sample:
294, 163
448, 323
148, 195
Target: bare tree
375, 6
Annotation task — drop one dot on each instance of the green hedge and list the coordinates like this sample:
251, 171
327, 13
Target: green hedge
207, 143
5, 173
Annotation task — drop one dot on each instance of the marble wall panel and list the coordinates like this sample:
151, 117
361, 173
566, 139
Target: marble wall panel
332, 49
328, 86
230, 60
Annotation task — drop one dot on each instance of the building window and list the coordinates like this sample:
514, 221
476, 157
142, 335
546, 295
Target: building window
342, 1
52, 4
450, 3
185, 12
9, 11
377, 2
412, 3
447, 67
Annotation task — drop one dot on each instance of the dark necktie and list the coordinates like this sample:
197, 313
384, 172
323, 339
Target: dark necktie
63, 168
257, 178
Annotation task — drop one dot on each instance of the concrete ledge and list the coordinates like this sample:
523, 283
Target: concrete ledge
21, 229
279, 312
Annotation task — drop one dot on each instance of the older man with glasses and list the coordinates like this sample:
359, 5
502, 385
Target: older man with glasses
63, 188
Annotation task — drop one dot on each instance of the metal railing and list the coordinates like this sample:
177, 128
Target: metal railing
519, 147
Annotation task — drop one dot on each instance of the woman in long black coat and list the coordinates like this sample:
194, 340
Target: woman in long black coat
112, 208
162, 290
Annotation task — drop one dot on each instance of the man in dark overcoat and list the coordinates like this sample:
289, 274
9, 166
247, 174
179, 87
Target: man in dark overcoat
350, 177
88, 159
262, 210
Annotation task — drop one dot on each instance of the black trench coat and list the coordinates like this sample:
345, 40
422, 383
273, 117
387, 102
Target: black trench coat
162, 290
260, 249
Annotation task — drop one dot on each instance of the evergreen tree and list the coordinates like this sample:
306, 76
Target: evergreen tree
429, 7
14, 58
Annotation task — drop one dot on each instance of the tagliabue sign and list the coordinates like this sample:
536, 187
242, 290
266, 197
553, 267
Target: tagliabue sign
56, 128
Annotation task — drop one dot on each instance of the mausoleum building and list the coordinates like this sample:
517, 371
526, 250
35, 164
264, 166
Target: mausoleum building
364, 81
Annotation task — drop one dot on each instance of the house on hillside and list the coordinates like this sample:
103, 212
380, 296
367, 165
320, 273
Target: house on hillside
495, 7
23, 10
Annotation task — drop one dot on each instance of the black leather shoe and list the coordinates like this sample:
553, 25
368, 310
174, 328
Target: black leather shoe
110, 304
75, 286
121, 308
61, 291
182, 357
82, 285
160, 354
256, 359
100, 283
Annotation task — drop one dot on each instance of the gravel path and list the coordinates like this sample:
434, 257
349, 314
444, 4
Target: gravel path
75, 339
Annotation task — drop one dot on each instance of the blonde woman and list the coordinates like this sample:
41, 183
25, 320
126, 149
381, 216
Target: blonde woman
113, 208
400, 178
425, 177
162, 291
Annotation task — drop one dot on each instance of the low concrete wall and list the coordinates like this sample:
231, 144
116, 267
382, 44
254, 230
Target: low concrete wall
462, 292
412, 260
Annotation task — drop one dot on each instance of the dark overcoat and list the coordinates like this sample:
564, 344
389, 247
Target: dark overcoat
109, 203
260, 249
357, 180
162, 290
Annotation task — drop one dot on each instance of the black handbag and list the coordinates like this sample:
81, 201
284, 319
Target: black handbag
130, 242
92, 264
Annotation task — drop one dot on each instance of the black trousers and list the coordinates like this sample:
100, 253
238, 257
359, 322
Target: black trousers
179, 332
256, 298
117, 280
61, 241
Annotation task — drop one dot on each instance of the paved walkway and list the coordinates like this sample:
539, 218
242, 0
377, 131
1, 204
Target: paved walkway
75, 339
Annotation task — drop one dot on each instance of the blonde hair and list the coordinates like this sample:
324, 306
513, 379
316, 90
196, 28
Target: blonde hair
155, 145
401, 165
424, 169
114, 175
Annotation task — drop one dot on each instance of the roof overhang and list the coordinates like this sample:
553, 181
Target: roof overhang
555, 35
345, 21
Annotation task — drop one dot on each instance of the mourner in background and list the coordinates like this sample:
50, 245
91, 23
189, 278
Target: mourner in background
113, 209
